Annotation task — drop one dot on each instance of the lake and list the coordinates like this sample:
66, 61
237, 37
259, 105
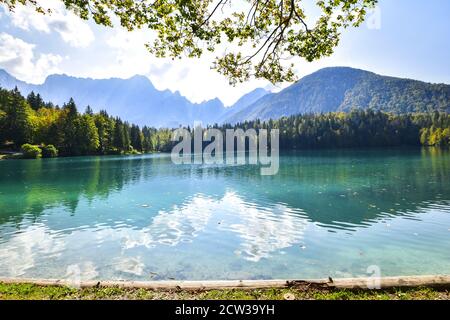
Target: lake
326, 213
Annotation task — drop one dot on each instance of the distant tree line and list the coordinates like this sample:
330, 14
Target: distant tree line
358, 128
65, 131
32, 121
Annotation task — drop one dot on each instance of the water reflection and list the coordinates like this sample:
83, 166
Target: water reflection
132, 217
19, 254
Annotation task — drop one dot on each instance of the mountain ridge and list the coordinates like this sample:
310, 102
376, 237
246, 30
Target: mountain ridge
333, 89
342, 89
134, 99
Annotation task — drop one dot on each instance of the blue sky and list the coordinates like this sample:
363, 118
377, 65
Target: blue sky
404, 38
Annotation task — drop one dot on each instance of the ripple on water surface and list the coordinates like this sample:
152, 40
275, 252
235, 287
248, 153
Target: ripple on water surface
332, 213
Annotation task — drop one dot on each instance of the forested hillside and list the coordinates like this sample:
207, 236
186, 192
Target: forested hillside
358, 129
343, 89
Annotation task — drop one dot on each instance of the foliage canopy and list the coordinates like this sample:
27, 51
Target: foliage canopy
260, 35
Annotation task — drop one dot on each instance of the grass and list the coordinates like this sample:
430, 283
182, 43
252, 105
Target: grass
34, 292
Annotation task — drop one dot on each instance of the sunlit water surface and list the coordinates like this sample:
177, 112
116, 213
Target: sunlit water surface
328, 213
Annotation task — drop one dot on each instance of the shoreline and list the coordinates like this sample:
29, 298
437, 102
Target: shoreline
363, 283
400, 288
17, 155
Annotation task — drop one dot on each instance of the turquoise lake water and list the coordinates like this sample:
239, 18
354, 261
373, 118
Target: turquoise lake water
326, 213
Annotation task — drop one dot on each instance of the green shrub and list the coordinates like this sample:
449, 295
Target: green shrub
133, 151
113, 151
31, 152
49, 151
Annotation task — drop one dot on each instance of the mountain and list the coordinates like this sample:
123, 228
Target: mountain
7, 81
331, 89
342, 89
243, 103
135, 99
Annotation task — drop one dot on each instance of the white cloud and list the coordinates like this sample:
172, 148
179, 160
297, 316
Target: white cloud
123, 54
73, 31
71, 28
18, 58
193, 78
129, 54
26, 18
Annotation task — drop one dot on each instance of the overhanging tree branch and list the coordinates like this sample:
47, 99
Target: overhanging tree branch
187, 28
